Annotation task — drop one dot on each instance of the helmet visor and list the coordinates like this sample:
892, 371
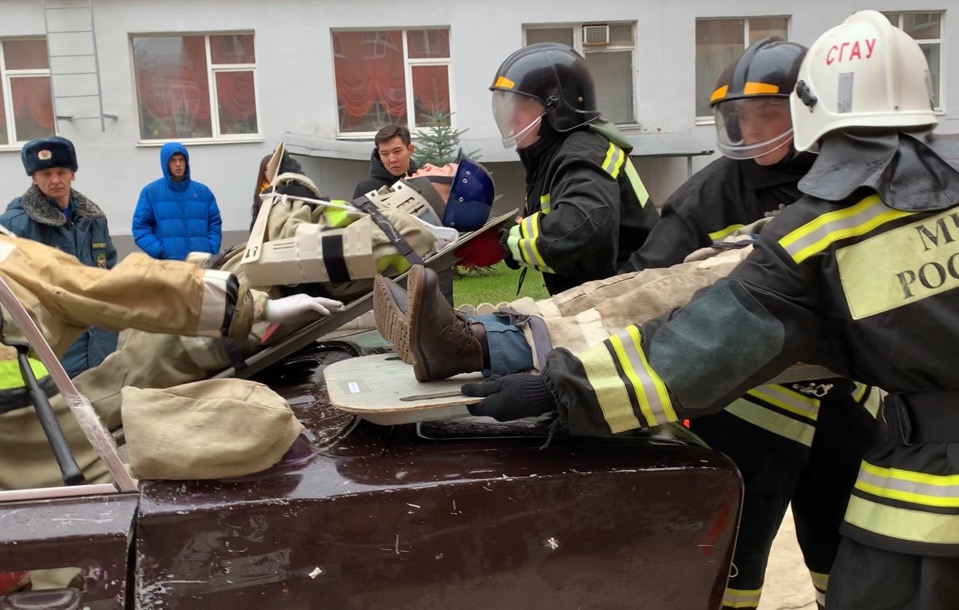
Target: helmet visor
753, 127
517, 117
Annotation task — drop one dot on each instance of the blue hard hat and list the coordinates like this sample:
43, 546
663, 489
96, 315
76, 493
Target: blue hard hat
471, 196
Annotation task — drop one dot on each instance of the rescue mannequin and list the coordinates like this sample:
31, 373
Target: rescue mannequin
856, 276
155, 360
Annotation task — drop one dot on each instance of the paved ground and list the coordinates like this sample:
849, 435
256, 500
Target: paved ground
787, 582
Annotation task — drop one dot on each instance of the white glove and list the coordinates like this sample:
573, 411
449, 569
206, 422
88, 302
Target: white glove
299, 307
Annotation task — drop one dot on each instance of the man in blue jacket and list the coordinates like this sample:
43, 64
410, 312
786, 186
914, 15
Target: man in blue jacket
53, 213
176, 215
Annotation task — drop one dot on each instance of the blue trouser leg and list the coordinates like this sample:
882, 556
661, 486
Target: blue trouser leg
508, 350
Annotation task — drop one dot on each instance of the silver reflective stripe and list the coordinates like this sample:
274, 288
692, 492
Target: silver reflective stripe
788, 400
214, 302
773, 422
742, 598
652, 394
819, 234
907, 486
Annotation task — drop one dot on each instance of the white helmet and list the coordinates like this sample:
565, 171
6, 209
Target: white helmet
863, 73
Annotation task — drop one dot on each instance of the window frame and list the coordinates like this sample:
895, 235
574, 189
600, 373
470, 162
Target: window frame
710, 119
5, 77
408, 64
211, 70
941, 108
579, 47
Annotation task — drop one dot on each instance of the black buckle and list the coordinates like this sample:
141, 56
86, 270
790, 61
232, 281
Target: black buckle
900, 421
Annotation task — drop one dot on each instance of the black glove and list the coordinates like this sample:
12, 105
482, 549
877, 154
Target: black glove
507, 253
511, 397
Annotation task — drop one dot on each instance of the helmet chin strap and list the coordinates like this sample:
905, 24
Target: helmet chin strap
439, 179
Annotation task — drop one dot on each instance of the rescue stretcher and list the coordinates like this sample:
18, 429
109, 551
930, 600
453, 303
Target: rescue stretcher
441, 260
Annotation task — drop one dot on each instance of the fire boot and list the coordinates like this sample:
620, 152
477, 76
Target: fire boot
442, 341
390, 310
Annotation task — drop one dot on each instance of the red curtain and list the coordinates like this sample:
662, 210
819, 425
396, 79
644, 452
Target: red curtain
235, 95
32, 96
171, 85
431, 88
369, 68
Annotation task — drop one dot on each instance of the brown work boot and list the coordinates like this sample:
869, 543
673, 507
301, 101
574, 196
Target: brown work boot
390, 310
442, 341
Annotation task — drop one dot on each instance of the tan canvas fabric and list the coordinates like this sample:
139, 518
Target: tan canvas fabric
211, 429
586, 315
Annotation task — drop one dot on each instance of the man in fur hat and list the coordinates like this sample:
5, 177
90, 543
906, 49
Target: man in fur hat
53, 213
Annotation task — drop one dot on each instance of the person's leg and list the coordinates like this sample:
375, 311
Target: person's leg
437, 340
769, 478
867, 577
819, 503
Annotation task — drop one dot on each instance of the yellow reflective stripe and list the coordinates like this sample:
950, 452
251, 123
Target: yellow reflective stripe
817, 235
718, 235
650, 390
503, 82
756, 88
528, 234
544, 203
788, 400
634, 180
819, 580
337, 218
10, 377
742, 598
614, 160
902, 523
773, 422
908, 486
397, 261
873, 401
719, 94
609, 389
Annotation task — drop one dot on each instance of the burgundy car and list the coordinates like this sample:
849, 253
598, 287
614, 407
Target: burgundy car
463, 513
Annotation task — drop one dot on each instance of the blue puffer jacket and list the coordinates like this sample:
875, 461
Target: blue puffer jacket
85, 236
172, 218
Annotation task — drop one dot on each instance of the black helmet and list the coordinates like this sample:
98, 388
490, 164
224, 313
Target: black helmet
554, 75
767, 70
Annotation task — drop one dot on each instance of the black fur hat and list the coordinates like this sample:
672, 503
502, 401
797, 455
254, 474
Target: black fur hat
44, 153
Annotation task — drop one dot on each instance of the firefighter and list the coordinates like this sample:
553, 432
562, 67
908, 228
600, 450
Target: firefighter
861, 276
798, 443
586, 207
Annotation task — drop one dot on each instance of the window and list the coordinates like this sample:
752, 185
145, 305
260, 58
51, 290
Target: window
26, 102
197, 86
399, 77
608, 50
719, 42
926, 29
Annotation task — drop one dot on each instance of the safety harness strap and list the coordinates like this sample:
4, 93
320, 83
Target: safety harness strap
387, 227
929, 417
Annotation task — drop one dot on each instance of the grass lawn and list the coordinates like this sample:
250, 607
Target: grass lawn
496, 284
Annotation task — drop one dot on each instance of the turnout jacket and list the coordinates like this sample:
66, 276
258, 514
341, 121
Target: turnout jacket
86, 236
586, 207
861, 275
717, 201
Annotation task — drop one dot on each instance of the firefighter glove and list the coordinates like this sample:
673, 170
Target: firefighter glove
511, 397
299, 307
507, 253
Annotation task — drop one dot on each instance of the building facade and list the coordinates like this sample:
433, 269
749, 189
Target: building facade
231, 79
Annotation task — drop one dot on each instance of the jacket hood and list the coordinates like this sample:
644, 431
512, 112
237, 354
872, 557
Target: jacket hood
909, 171
378, 170
166, 153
